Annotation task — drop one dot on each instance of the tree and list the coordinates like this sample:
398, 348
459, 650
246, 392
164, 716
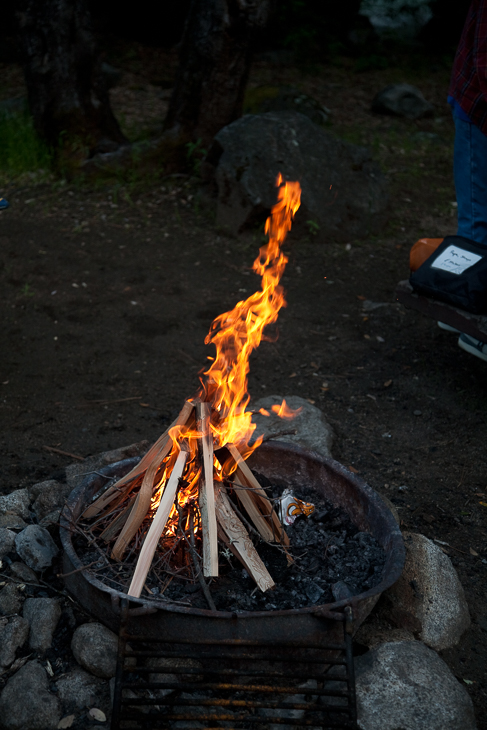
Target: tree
66, 92
215, 59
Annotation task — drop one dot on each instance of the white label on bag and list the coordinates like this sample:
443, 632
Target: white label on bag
455, 260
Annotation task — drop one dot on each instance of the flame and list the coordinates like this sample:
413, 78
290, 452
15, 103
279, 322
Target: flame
283, 411
237, 333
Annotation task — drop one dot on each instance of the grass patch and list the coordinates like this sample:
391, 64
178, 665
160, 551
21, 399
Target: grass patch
21, 149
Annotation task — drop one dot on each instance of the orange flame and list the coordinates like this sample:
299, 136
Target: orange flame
283, 411
237, 333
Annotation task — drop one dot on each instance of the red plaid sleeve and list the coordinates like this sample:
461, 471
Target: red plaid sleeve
469, 76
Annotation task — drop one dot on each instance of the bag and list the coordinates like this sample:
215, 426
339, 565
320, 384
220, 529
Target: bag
456, 273
422, 250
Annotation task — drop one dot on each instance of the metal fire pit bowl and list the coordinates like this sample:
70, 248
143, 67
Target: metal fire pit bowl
281, 463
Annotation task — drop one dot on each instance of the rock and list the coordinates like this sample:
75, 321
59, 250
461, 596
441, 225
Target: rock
12, 522
75, 473
43, 615
406, 685
79, 690
48, 496
249, 153
7, 541
274, 99
26, 703
111, 76
402, 100
16, 502
371, 635
430, 592
11, 599
13, 636
312, 430
22, 571
51, 521
36, 547
95, 649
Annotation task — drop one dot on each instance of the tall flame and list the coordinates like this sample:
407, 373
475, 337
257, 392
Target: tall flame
237, 333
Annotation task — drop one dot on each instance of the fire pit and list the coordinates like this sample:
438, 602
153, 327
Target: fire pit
287, 465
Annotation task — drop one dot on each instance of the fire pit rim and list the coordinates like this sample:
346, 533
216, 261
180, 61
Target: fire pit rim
152, 605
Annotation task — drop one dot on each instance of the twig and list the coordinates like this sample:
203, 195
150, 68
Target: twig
63, 453
107, 402
78, 570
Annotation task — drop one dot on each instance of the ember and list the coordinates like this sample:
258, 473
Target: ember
176, 500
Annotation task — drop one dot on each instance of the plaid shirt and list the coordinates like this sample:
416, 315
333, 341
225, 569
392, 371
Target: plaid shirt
468, 84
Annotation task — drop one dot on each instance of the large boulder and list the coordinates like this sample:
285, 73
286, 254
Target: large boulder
343, 191
407, 686
26, 703
402, 100
428, 598
312, 431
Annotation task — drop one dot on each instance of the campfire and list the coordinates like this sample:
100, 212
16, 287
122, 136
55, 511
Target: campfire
177, 500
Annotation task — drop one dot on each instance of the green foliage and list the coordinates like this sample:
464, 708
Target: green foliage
195, 154
21, 150
313, 227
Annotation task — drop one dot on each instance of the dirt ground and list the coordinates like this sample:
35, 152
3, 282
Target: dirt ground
108, 292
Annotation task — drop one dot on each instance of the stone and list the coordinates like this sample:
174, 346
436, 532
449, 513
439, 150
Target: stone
7, 541
407, 686
22, 571
274, 99
75, 473
371, 635
402, 100
16, 502
48, 496
13, 636
247, 155
12, 522
11, 599
36, 547
430, 592
26, 703
78, 690
312, 429
95, 649
43, 615
51, 521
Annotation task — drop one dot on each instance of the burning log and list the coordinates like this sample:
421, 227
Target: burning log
179, 484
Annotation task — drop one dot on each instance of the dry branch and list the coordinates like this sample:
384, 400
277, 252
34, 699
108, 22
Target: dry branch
158, 525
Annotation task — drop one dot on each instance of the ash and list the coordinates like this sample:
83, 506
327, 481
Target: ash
332, 558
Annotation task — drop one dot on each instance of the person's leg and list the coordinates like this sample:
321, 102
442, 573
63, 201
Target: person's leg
470, 171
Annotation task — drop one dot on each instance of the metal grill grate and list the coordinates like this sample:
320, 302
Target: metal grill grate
180, 682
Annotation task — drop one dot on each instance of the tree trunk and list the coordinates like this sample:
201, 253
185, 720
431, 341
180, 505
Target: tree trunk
67, 95
214, 65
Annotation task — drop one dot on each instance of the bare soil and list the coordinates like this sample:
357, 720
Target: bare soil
108, 293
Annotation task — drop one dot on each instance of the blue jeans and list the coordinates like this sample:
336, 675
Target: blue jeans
470, 171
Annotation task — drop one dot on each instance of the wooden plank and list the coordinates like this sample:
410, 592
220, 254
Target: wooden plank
247, 478
246, 499
206, 495
110, 494
239, 541
471, 324
157, 527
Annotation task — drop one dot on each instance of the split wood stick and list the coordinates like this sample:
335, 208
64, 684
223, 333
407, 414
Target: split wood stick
246, 498
206, 494
244, 473
141, 467
158, 524
239, 541
142, 503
